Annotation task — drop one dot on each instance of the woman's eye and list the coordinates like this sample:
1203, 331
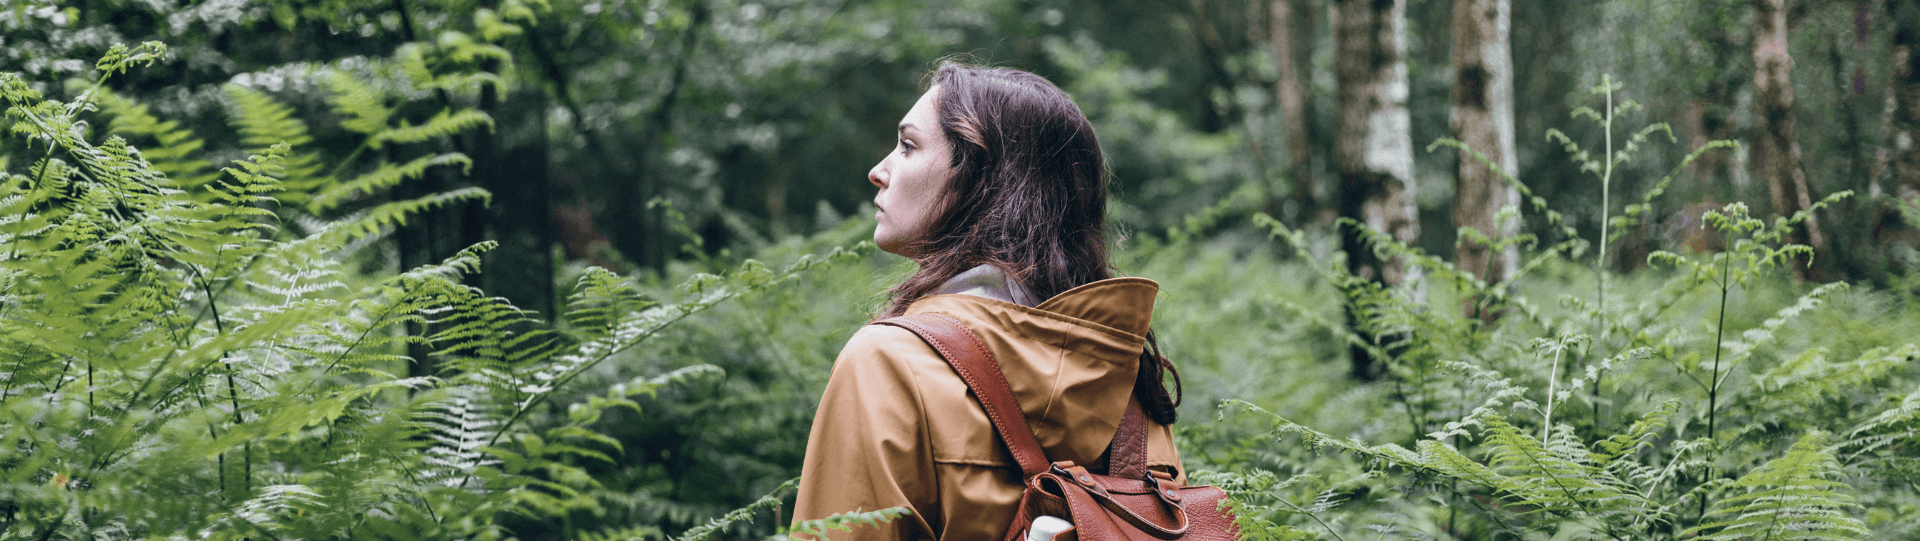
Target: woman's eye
906, 146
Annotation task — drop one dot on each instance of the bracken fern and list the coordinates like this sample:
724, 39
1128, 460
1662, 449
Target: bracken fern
1586, 417
186, 352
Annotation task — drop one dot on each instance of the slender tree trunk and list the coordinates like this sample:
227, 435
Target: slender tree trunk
1777, 152
1292, 94
1373, 147
1483, 119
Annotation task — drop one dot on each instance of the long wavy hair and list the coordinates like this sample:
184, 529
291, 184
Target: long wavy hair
1028, 196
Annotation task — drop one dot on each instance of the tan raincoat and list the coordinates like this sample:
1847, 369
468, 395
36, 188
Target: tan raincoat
898, 427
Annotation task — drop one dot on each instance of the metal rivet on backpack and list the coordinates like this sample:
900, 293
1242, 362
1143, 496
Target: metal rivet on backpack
1086, 479
1172, 495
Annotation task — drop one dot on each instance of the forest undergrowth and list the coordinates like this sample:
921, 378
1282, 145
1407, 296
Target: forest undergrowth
229, 352
197, 353
1708, 397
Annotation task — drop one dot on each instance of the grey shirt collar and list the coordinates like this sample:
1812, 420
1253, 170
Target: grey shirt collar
986, 281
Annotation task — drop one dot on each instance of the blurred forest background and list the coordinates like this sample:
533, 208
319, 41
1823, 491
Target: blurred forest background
662, 139
758, 120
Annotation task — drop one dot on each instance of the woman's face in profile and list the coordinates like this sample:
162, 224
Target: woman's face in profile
911, 178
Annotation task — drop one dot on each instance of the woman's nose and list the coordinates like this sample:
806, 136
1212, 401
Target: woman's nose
873, 176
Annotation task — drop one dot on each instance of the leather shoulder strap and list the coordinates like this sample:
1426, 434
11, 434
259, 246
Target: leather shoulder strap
969, 356
1127, 455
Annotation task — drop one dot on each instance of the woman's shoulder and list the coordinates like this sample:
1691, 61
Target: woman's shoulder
884, 339
887, 349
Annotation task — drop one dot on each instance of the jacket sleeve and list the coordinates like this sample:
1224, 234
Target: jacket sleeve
869, 448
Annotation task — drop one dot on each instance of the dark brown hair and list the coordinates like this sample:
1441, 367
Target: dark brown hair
1028, 196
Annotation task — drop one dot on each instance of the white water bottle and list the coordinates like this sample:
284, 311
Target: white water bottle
1045, 527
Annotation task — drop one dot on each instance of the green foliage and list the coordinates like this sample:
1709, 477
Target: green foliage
771, 500
179, 363
1668, 409
1255, 496
204, 331
1792, 497
819, 528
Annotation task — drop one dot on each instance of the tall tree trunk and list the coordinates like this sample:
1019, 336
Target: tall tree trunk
1293, 98
1373, 147
512, 163
1903, 120
1778, 160
1483, 119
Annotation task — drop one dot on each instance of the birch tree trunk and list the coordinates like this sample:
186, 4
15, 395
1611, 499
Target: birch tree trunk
1293, 97
1777, 153
1373, 147
1483, 119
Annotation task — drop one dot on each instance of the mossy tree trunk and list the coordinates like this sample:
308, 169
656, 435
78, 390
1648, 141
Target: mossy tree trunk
1373, 147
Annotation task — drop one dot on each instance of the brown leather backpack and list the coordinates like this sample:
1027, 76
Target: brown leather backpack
1128, 502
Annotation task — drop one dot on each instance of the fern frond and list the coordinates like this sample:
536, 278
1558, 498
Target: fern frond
173, 156
1739, 351
818, 528
599, 299
387, 175
770, 499
460, 427
1557, 474
1792, 497
623, 533
264, 512
444, 124
412, 63
1895, 426
1809, 379
366, 110
374, 221
263, 123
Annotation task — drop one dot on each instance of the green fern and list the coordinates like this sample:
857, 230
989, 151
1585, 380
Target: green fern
845, 522
1792, 497
183, 360
264, 123
175, 153
1589, 417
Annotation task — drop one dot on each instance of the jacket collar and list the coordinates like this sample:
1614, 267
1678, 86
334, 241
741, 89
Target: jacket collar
1106, 320
1124, 304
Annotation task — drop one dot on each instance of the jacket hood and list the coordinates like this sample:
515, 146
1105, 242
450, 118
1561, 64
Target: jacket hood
1071, 361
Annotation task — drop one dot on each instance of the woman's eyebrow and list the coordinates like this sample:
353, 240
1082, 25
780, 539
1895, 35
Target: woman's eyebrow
905, 125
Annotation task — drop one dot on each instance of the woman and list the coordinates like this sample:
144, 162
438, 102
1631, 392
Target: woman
997, 190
